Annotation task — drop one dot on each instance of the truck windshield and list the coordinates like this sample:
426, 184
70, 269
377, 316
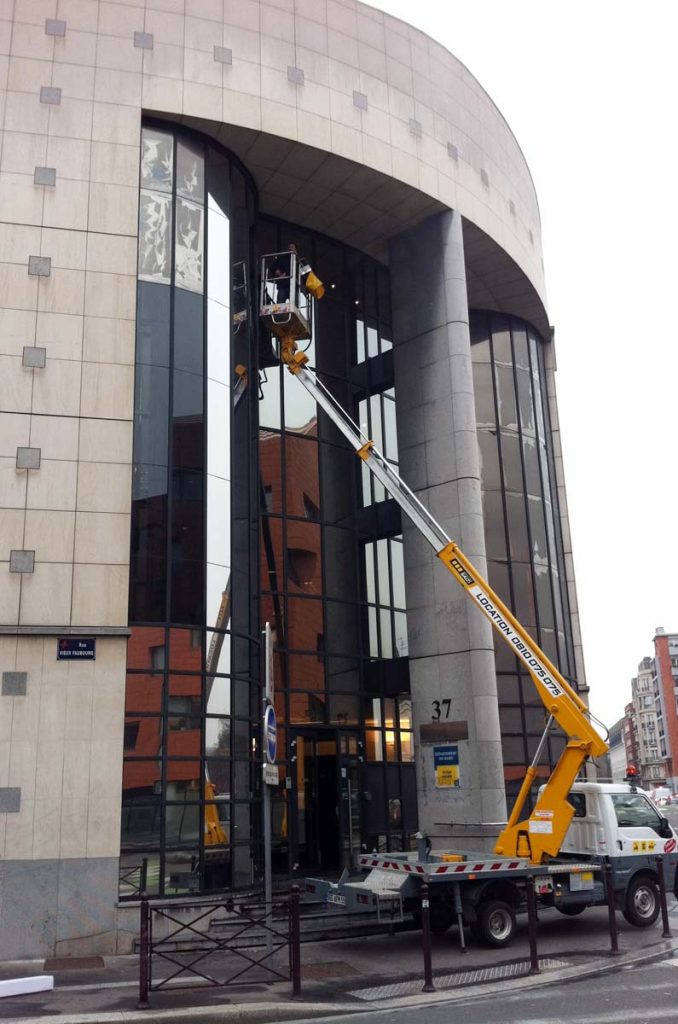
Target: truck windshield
632, 809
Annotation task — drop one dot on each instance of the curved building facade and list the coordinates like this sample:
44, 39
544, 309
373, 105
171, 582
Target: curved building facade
166, 490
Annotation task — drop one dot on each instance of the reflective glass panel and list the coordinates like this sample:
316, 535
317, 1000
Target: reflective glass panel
157, 159
155, 234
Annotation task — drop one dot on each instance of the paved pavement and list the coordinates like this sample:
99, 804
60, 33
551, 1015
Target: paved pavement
344, 976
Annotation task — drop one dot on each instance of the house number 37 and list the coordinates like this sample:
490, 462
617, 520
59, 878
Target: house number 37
441, 709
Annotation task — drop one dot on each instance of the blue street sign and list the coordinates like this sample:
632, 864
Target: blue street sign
70, 648
270, 734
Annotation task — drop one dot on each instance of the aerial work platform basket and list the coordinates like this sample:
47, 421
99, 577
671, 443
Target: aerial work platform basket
287, 288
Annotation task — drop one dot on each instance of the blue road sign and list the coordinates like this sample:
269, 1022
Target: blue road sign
270, 734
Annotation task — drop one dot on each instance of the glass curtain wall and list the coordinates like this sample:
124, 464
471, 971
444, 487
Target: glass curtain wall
522, 524
192, 702
331, 572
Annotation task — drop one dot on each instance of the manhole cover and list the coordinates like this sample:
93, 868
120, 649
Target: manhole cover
335, 969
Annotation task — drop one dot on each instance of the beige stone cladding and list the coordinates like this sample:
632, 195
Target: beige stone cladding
335, 76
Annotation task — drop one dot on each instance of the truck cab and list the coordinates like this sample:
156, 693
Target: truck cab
615, 820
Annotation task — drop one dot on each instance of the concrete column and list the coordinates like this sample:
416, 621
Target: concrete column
450, 641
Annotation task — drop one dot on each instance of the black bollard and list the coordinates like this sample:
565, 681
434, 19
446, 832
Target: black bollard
611, 909
295, 942
144, 953
666, 932
532, 924
426, 939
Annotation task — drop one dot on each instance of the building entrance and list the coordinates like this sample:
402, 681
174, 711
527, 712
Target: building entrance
325, 800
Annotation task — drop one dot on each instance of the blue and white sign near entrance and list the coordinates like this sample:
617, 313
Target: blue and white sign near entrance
270, 734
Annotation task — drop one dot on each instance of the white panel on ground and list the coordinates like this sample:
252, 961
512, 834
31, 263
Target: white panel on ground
23, 986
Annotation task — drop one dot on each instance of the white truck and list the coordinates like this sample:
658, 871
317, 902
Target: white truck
616, 823
573, 829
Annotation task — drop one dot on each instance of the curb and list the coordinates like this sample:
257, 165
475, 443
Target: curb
256, 1013
299, 1011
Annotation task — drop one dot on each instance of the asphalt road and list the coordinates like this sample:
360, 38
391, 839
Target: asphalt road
643, 995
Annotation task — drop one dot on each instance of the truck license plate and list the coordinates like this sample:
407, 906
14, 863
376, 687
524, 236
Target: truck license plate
339, 901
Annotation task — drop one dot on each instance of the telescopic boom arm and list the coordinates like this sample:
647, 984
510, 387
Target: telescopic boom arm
540, 835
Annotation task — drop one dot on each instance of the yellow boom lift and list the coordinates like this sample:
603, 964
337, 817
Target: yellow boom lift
540, 834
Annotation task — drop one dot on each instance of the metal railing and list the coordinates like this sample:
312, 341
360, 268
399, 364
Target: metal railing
133, 879
196, 945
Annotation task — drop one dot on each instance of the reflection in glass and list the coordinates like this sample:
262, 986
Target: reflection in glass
530, 581
372, 712
401, 647
218, 697
188, 258
156, 159
155, 225
185, 414
143, 692
374, 745
343, 709
190, 171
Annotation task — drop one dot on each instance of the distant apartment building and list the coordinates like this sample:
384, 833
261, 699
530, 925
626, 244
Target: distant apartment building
666, 686
630, 735
617, 753
647, 719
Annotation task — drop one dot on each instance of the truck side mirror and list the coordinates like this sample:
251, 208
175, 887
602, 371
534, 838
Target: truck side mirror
664, 830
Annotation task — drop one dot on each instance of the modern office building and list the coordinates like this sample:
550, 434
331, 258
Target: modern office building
166, 489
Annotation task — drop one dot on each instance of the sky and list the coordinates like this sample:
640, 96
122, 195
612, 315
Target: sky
590, 90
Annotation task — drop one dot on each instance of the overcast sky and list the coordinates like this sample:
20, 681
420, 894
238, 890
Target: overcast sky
589, 88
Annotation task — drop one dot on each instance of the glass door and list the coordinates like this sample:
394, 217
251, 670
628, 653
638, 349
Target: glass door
315, 793
350, 762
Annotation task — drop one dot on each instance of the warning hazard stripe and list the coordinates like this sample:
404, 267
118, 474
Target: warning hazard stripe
466, 867
670, 846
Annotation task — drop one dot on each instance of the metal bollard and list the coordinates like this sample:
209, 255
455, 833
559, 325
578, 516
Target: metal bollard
295, 942
144, 953
532, 924
666, 932
426, 939
611, 909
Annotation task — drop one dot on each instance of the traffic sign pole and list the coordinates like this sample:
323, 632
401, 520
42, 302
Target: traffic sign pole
269, 742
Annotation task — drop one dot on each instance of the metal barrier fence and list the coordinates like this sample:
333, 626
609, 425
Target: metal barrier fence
255, 934
534, 966
132, 879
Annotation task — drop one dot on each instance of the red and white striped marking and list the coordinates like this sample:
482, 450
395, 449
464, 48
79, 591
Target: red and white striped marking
669, 846
453, 868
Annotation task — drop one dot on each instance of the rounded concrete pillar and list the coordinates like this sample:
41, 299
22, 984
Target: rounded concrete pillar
450, 642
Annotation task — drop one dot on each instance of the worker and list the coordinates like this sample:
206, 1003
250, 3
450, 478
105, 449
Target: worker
280, 273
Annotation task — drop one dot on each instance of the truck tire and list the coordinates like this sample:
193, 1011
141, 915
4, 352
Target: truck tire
496, 923
571, 909
641, 904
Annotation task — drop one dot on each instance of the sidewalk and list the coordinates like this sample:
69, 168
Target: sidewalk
344, 976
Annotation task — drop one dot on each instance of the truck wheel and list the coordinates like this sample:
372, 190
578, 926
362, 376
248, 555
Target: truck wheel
572, 910
641, 906
496, 923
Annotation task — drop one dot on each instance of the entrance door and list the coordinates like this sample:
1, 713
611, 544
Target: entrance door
350, 756
316, 801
